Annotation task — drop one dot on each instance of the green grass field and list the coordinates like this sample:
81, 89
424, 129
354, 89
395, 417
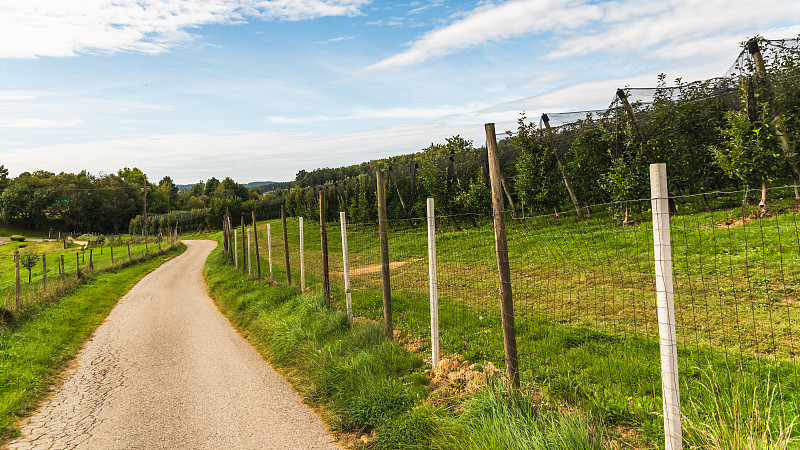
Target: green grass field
585, 304
75, 257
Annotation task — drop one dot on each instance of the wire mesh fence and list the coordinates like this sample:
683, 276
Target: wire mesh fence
584, 293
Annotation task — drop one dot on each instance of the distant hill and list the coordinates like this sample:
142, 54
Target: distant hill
266, 186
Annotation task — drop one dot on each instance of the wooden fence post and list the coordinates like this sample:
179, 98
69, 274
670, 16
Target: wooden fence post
91, 264
111, 249
433, 282
269, 252
659, 198
302, 257
286, 245
16, 279
77, 265
323, 231
62, 268
44, 273
503, 267
255, 238
388, 327
249, 253
129, 250
346, 261
235, 248
243, 232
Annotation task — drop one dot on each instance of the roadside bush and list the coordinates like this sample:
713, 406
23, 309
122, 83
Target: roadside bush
17, 237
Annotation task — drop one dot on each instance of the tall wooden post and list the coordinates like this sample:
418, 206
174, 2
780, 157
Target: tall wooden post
16, 279
561, 168
503, 266
286, 245
129, 250
243, 232
111, 249
255, 238
388, 327
235, 248
269, 253
91, 264
326, 281
44, 273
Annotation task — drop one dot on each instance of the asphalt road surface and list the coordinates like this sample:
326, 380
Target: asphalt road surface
167, 370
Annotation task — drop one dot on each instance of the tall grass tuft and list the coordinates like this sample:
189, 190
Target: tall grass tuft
732, 412
501, 418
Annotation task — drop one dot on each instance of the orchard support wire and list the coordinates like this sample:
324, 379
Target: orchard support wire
666, 307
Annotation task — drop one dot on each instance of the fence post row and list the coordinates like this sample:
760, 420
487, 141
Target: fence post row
667, 340
433, 282
384, 237
503, 267
326, 280
302, 257
346, 261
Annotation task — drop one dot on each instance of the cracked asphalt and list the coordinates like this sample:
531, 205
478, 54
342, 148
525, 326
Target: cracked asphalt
167, 370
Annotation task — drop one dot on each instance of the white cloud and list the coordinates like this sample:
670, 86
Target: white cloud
30, 29
336, 39
668, 29
436, 112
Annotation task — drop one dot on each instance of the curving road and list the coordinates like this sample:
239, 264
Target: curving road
167, 370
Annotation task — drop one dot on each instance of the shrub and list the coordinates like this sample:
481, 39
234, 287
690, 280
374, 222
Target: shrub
17, 237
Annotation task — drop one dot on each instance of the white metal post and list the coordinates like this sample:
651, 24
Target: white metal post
249, 267
269, 252
302, 258
668, 342
235, 249
346, 260
433, 282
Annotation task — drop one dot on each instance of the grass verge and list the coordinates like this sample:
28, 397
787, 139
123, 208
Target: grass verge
375, 393
39, 344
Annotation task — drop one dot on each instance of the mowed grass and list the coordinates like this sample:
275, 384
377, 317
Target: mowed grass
587, 326
39, 344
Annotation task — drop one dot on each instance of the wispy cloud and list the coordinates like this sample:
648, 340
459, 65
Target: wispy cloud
68, 27
436, 112
336, 39
582, 27
40, 123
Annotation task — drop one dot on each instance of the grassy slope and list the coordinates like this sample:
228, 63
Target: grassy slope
363, 383
33, 351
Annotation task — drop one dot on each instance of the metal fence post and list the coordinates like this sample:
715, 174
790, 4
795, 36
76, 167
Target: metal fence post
433, 282
302, 257
346, 261
668, 343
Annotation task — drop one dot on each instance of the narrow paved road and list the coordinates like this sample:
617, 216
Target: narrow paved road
167, 370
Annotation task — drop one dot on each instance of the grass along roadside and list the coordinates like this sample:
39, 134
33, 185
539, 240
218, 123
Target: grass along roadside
40, 343
376, 393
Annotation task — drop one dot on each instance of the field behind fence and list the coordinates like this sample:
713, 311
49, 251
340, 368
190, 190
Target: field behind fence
55, 265
584, 294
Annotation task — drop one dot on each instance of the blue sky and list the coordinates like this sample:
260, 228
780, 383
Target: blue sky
259, 89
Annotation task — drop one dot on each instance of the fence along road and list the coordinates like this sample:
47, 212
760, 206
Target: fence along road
167, 370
